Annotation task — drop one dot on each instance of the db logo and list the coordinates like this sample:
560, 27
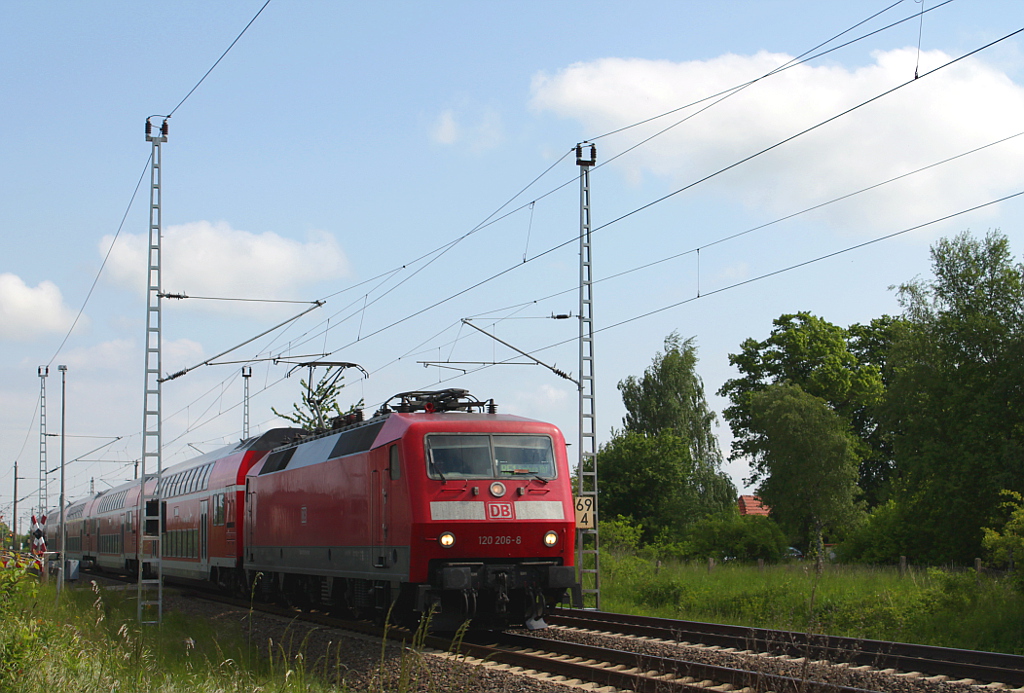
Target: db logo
499, 511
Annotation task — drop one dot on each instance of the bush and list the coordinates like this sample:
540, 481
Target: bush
619, 535
733, 536
1005, 547
876, 540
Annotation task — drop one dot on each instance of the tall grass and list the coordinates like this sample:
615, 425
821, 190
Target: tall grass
90, 641
930, 606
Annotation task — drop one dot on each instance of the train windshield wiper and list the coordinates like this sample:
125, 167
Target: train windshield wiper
535, 475
435, 470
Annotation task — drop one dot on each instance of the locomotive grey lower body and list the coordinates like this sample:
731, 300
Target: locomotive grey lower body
494, 594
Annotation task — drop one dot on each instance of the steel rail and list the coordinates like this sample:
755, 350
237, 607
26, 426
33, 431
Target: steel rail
586, 663
990, 667
635, 671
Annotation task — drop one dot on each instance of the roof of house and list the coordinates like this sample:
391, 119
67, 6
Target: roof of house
752, 505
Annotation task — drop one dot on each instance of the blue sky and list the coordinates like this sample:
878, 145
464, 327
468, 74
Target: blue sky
338, 143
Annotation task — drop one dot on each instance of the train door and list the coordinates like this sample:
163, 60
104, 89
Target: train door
250, 519
120, 545
204, 533
380, 514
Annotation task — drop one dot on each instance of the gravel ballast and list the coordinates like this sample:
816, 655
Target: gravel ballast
363, 664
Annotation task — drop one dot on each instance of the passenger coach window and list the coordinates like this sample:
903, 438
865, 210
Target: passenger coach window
489, 456
218, 509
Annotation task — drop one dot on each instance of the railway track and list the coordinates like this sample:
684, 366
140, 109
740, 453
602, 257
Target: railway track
984, 667
578, 663
572, 663
591, 665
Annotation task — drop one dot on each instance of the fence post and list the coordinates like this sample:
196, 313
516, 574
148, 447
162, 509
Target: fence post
711, 564
903, 566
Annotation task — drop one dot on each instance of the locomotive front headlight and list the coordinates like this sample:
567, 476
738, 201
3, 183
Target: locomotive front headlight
497, 489
447, 540
550, 539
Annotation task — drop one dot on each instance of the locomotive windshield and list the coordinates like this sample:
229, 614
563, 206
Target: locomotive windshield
489, 456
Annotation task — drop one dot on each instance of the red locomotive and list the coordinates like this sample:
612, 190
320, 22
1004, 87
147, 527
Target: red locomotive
435, 505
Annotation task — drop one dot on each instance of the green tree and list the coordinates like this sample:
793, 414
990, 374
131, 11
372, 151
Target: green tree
670, 396
663, 471
955, 402
319, 404
872, 345
822, 359
648, 480
805, 462
1005, 545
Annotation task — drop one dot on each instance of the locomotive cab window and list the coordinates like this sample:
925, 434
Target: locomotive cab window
489, 456
524, 455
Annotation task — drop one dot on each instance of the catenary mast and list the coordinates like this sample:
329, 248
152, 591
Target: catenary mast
149, 543
586, 536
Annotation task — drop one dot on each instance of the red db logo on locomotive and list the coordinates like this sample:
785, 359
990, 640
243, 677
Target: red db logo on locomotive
500, 511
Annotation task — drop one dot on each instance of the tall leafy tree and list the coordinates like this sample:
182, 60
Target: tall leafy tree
815, 354
956, 399
670, 396
663, 470
655, 482
805, 461
872, 345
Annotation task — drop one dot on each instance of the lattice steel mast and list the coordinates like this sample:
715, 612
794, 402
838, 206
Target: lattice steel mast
43, 372
150, 534
246, 374
587, 557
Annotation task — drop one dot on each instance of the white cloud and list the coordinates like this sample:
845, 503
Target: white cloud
106, 356
184, 351
956, 109
479, 128
27, 312
125, 355
735, 272
544, 403
204, 259
446, 130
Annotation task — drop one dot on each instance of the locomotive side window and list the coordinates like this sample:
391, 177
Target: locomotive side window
489, 456
394, 468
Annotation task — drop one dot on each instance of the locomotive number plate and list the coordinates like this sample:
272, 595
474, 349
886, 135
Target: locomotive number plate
500, 541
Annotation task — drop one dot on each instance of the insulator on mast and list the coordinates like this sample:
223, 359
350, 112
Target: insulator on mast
149, 128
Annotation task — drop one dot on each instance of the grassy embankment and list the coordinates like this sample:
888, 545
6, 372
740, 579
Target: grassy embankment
931, 606
90, 642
